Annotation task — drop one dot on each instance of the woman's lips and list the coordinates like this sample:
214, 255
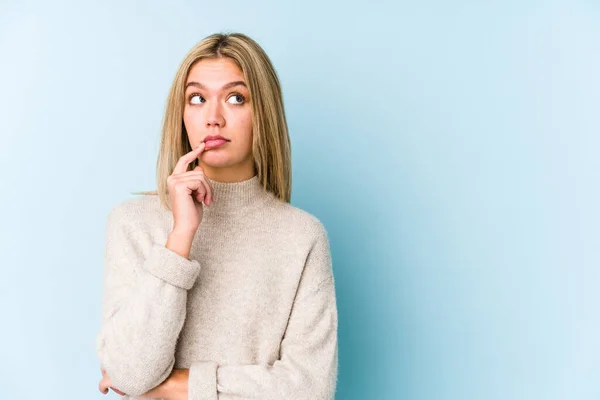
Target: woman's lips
210, 144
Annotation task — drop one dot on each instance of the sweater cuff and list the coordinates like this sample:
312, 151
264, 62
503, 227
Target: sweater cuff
202, 381
172, 267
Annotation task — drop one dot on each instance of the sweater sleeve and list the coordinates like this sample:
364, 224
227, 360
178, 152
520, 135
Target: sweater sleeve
144, 295
308, 363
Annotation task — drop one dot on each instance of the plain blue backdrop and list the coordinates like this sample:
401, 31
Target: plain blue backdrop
450, 149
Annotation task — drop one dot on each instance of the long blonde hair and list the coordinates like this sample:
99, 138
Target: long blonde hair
270, 144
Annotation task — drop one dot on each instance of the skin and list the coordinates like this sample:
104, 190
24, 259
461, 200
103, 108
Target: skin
175, 387
211, 108
217, 102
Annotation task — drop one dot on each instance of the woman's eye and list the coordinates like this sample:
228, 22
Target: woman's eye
237, 97
195, 96
197, 99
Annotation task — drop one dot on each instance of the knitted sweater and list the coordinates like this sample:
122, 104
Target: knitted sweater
252, 313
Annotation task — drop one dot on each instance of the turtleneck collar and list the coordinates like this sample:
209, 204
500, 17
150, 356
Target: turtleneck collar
235, 197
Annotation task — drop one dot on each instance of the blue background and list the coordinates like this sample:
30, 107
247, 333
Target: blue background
450, 149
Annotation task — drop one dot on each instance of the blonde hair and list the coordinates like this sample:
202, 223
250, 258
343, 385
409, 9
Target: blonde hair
270, 143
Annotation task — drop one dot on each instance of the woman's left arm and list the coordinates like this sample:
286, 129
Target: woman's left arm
308, 365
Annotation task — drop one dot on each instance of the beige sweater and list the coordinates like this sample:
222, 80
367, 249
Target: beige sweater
252, 313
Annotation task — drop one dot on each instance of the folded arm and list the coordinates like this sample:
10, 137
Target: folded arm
144, 300
308, 364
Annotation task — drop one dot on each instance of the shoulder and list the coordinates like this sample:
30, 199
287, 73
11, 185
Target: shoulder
309, 234
299, 222
134, 207
142, 212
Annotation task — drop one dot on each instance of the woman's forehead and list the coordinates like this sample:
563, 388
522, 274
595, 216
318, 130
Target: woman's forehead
219, 71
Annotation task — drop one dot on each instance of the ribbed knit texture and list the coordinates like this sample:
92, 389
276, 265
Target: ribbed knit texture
252, 313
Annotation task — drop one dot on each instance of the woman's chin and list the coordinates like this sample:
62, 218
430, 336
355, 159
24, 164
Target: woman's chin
214, 160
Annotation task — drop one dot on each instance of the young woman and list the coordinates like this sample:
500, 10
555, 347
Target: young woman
215, 286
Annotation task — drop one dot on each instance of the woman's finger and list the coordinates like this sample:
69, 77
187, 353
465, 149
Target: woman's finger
187, 158
198, 172
118, 391
104, 385
196, 183
208, 185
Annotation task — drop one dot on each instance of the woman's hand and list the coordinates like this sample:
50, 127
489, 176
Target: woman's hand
187, 191
175, 387
106, 384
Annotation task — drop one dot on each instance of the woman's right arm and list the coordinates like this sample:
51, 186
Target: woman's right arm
144, 299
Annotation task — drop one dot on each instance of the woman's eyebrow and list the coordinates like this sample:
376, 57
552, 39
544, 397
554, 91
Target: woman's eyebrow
226, 86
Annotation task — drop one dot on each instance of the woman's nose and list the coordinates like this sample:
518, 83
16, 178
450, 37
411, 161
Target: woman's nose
215, 116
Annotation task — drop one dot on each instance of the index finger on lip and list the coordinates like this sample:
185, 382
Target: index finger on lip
186, 159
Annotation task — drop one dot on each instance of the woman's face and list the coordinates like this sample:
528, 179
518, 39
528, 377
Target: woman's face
217, 102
